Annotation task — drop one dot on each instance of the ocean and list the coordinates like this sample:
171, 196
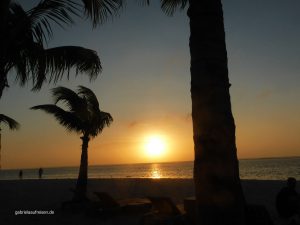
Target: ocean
259, 169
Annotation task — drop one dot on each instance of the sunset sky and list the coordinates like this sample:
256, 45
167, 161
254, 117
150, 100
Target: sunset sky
145, 85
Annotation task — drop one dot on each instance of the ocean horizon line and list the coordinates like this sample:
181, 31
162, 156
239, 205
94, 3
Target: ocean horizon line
142, 163
278, 168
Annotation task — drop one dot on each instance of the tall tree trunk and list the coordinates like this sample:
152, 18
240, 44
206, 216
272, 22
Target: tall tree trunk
81, 186
219, 196
4, 9
0, 151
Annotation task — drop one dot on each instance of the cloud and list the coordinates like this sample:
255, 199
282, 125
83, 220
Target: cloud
168, 118
135, 123
264, 94
179, 117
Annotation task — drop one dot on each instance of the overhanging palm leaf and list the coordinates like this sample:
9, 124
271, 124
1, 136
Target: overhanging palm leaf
35, 60
100, 10
168, 6
57, 61
27, 32
11, 123
62, 11
47, 11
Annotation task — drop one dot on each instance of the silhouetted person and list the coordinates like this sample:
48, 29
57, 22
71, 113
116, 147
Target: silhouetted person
21, 174
287, 200
40, 173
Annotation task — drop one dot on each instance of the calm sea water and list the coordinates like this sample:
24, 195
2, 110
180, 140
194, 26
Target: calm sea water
261, 169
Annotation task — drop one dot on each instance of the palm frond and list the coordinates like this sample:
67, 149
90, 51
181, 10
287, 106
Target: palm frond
47, 11
67, 119
69, 98
84, 115
20, 66
167, 6
170, 6
99, 122
106, 118
89, 95
28, 62
61, 59
143, 2
11, 123
100, 10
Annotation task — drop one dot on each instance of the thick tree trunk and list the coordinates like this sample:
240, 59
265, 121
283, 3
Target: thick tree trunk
4, 9
81, 186
0, 151
219, 195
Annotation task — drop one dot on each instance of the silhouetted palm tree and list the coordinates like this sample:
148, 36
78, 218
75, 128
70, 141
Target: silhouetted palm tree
24, 34
11, 123
219, 194
82, 116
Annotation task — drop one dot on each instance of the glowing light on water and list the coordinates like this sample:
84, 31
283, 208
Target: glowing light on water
155, 172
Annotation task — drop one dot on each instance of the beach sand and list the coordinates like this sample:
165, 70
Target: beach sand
49, 194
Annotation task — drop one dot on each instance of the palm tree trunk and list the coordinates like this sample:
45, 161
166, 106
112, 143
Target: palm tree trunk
81, 186
0, 150
219, 196
4, 9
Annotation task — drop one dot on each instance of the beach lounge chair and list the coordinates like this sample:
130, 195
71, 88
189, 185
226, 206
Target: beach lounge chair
108, 206
164, 211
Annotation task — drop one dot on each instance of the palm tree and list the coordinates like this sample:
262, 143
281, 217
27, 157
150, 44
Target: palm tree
24, 35
11, 123
219, 195
82, 116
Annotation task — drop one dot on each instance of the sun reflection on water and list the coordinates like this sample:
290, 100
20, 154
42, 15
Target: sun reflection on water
155, 172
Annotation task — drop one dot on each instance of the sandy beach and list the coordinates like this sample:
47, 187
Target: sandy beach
48, 195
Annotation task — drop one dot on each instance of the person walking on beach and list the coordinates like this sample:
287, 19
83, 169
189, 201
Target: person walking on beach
40, 173
21, 174
288, 200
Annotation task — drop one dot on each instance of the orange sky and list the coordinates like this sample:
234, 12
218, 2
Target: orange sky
124, 142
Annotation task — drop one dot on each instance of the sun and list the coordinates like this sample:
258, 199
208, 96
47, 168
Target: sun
155, 146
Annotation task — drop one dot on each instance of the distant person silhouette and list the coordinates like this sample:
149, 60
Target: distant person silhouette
21, 174
40, 173
287, 200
